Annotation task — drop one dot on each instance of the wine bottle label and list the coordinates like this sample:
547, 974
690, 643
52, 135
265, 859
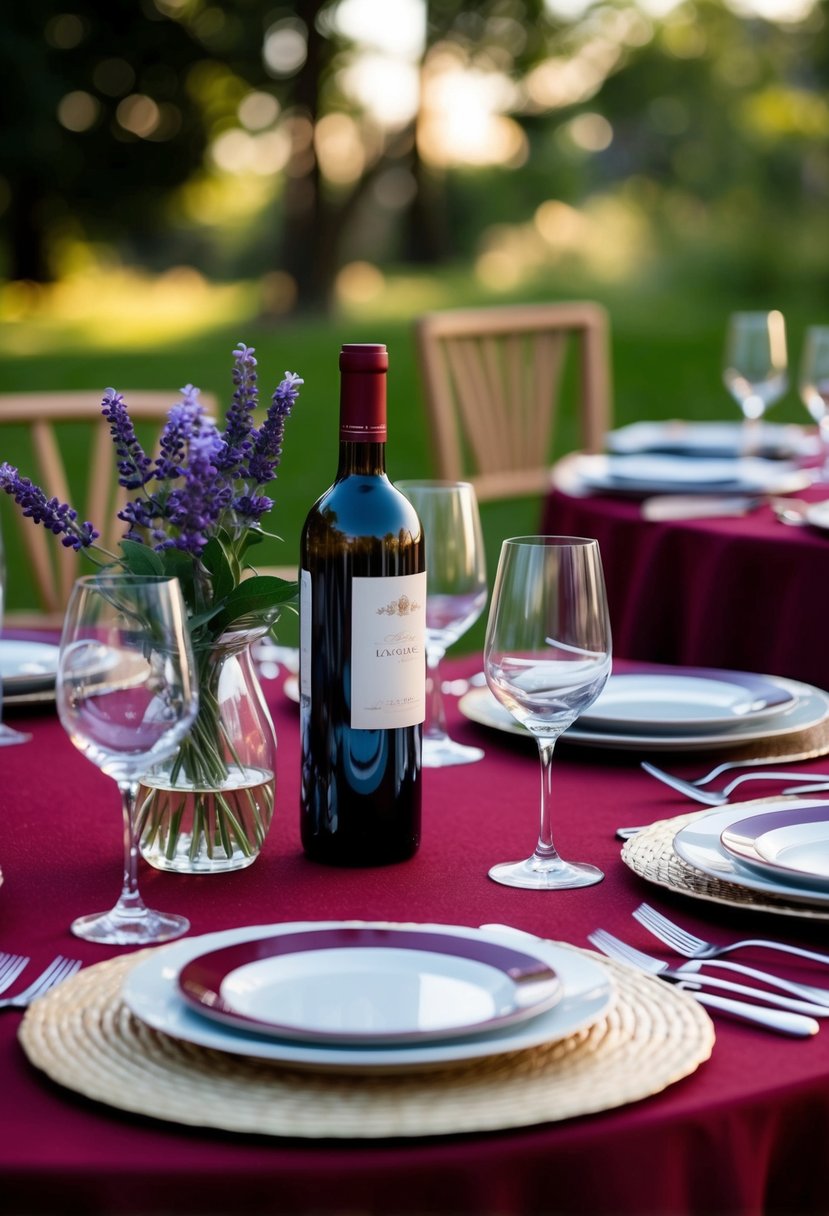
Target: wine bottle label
388, 654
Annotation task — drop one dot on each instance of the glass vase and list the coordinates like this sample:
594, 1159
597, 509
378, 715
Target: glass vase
207, 809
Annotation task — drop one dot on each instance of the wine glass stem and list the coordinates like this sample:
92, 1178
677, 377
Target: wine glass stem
545, 848
435, 709
130, 901
823, 431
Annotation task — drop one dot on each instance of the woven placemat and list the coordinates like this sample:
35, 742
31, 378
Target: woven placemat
799, 745
84, 1037
650, 854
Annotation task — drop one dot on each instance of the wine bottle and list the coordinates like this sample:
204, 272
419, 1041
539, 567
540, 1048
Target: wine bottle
362, 643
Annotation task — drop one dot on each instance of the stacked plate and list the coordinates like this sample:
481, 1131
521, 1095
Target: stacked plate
679, 709
637, 474
778, 848
28, 671
367, 997
713, 440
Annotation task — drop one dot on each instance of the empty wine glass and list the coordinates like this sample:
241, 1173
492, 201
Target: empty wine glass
814, 386
455, 596
547, 657
8, 736
755, 367
126, 695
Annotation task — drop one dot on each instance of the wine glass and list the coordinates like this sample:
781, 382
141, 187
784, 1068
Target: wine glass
126, 695
455, 598
547, 657
8, 736
755, 367
814, 386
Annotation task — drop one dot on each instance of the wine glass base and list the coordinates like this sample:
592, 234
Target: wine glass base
537, 874
147, 929
440, 753
8, 736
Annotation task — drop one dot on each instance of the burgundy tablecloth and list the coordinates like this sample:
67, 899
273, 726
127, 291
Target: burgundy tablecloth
747, 1132
747, 593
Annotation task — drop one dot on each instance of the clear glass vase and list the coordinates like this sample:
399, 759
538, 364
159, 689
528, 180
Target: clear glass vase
208, 808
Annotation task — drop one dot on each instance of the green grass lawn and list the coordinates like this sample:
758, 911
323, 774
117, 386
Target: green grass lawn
666, 353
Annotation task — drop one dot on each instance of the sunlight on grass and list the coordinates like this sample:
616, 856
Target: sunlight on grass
117, 309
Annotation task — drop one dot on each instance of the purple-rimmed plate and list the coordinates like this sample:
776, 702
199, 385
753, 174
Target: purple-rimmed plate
791, 845
685, 699
369, 985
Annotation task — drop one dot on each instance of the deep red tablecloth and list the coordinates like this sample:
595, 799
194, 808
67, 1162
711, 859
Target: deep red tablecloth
746, 593
747, 1132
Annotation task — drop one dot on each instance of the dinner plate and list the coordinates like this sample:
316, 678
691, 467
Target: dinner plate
810, 708
791, 845
646, 474
817, 514
27, 666
712, 439
687, 700
699, 843
370, 986
151, 992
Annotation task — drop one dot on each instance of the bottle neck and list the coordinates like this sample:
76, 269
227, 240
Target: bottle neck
366, 459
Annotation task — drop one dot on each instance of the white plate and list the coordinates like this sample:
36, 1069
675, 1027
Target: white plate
27, 666
291, 689
810, 709
712, 439
151, 993
689, 475
791, 846
688, 700
369, 986
700, 845
817, 514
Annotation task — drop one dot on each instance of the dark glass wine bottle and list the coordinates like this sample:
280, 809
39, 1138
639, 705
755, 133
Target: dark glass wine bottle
362, 635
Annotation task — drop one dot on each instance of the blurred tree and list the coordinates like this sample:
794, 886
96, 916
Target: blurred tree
96, 125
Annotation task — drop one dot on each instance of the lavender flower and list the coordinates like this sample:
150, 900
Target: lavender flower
195, 507
182, 421
133, 463
57, 516
239, 421
267, 449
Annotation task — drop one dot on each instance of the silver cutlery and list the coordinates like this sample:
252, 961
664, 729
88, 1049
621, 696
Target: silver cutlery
816, 788
788, 1018
10, 967
691, 946
59, 969
726, 766
720, 797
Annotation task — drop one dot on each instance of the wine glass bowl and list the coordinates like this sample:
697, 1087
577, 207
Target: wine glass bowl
755, 366
814, 386
456, 593
126, 696
547, 657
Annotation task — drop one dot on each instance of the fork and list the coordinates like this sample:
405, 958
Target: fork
779, 1018
726, 765
720, 797
10, 967
58, 970
697, 947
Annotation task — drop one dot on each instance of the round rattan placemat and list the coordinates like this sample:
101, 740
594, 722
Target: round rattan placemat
650, 854
84, 1037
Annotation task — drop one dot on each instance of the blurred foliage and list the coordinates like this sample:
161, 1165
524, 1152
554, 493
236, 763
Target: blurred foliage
237, 137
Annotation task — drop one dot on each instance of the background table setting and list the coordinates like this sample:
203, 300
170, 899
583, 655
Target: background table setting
625, 1067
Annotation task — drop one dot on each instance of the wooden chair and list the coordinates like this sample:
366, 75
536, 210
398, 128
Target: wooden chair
493, 379
62, 443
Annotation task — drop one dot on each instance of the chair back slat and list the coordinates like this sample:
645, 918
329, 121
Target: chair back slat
494, 381
54, 567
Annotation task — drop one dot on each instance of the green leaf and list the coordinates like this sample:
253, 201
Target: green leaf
256, 599
141, 559
222, 576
